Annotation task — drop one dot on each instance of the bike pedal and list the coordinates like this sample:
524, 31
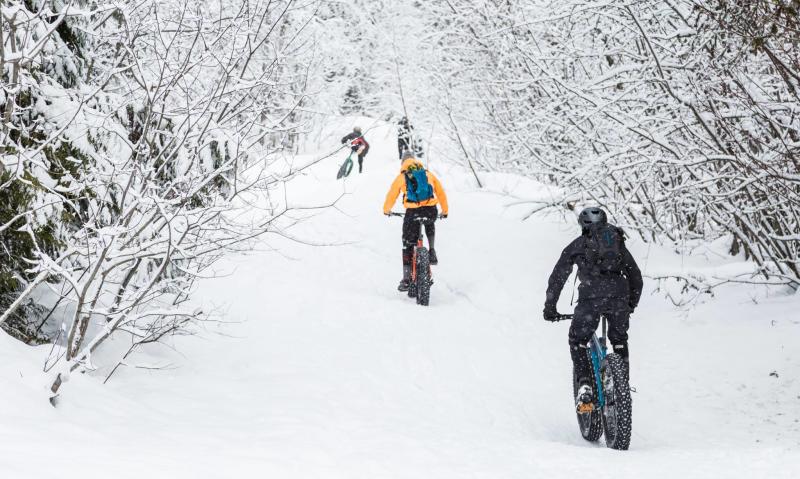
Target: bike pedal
584, 407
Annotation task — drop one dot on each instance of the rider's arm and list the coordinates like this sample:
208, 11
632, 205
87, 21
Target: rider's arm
394, 192
635, 283
560, 274
348, 137
438, 191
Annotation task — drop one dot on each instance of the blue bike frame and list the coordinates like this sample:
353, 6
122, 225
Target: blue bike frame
597, 348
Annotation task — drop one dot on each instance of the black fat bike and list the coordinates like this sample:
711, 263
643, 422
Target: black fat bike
613, 409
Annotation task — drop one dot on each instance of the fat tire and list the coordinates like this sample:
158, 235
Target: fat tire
618, 408
423, 280
345, 169
591, 424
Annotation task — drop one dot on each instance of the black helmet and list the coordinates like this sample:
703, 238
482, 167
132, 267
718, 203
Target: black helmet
592, 215
357, 130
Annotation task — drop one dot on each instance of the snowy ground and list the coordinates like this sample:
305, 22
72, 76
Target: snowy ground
326, 371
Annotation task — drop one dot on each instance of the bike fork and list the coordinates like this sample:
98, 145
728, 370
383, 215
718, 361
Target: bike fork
597, 379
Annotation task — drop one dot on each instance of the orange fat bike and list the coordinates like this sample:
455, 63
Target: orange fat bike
421, 276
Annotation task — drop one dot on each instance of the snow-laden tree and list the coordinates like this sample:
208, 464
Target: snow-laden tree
679, 116
137, 142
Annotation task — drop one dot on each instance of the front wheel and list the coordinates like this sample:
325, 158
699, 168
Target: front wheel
618, 407
423, 279
590, 424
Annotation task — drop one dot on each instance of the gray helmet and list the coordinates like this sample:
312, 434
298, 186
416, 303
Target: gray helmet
406, 155
592, 215
357, 130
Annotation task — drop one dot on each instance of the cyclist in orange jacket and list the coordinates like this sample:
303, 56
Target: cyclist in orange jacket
422, 191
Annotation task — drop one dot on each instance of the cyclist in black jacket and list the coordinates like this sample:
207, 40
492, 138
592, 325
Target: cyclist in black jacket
613, 292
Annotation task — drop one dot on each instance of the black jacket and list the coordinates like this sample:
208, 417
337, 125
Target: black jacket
404, 135
626, 285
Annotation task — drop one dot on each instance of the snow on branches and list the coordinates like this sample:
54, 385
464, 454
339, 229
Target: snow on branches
132, 136
680, 116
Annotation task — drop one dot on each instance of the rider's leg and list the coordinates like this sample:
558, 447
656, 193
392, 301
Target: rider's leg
618, 323
584, 323
430, 231
360, 163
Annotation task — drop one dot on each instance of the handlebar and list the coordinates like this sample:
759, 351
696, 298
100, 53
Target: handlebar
394, 213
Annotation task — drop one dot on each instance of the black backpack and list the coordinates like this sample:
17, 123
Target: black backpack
603, 245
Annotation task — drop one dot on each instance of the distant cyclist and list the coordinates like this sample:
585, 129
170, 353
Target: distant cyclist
358, 144
422, 191
611, 285
406, 140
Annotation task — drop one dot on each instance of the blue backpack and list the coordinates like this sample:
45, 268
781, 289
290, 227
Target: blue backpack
417, 187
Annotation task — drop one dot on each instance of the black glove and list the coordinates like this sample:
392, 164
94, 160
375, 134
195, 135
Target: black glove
550, 313
444, 216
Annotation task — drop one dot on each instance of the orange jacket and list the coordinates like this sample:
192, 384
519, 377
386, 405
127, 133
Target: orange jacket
399, 185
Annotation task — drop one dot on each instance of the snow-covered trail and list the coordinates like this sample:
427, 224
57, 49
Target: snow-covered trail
327, 371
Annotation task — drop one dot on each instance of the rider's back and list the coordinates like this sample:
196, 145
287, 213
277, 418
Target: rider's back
622, 282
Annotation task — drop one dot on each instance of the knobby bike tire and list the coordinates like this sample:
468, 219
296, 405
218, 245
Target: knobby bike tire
618, 408
345, 169
412, 288
591, 424
423, 279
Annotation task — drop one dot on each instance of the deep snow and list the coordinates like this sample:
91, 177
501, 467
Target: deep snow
322, 369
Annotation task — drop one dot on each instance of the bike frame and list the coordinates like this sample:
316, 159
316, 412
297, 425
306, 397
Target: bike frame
420, 244
598, 351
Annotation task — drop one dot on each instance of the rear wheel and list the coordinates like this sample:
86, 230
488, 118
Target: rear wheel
590, 424
618, 407
423, 279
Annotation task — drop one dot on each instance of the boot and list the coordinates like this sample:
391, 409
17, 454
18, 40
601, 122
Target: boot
622, 350
584, 400
405, 283
431, 251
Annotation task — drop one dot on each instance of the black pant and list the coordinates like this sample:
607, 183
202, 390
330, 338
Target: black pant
412, 228
585, 322
361, 156
403, 145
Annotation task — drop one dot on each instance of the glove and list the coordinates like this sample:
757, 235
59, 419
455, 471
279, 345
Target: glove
550, 313
444, 216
